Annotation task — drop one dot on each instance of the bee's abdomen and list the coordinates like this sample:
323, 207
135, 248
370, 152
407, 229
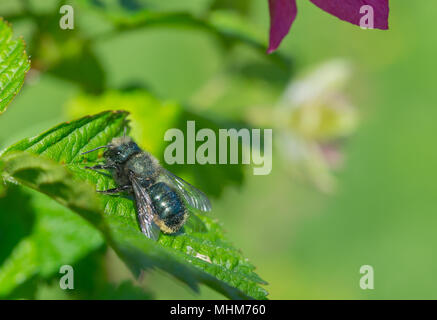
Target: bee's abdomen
169, 207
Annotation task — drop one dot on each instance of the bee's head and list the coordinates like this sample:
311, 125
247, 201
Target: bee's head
121, 149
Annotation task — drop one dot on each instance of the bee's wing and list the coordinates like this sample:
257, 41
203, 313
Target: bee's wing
195, 224
194, 197
145, 210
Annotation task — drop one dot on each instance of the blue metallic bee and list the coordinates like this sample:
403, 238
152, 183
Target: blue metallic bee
163, 200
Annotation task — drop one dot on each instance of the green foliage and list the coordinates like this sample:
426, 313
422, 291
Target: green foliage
193, 256
66, 54
38, 236
227, 27
46, 234
71, 54
14, 64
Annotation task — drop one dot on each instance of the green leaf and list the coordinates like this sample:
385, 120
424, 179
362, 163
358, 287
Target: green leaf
193, 257
55, 236
39, 236
14, 64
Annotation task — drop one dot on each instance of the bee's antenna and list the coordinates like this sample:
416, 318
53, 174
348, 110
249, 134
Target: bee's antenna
94, 149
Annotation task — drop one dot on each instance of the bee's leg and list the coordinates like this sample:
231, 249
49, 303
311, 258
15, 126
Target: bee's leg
116, 190
100, 167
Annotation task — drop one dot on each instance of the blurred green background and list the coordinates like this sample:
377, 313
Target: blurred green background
306, 243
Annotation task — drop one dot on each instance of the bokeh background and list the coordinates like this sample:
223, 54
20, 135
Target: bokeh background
310, 225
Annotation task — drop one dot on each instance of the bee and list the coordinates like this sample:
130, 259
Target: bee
163, 200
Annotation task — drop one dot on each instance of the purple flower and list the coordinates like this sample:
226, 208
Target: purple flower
283, 13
